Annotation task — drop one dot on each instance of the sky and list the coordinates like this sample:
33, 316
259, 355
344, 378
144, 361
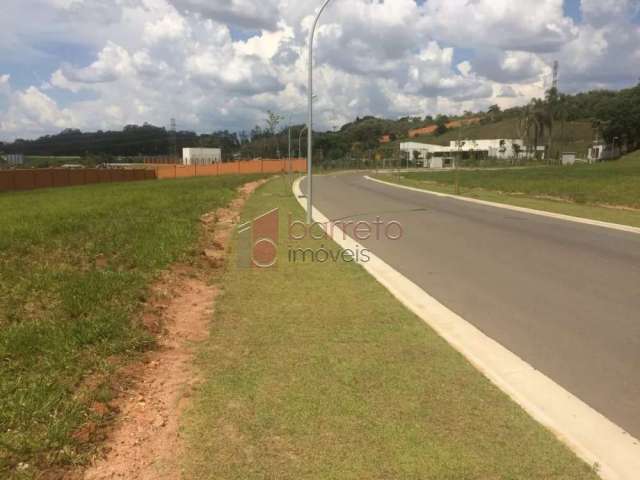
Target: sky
222, 64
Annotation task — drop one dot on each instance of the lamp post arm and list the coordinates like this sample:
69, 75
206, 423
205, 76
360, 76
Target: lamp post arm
310, 120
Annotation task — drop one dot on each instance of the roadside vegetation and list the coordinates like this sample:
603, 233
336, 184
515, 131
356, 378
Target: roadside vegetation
607, 191
75, 264
574, 136
315, 371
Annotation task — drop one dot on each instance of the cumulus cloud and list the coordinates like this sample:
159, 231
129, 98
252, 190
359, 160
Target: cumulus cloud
221, 64
242, 13
606, 52
31, 111
503, 24
602, 12
113, 62
509, 66
507, 91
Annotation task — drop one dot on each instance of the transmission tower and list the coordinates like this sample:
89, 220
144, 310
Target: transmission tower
173, 140
556, 72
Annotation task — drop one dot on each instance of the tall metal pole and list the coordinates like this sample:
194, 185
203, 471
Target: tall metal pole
289, 165
310, 121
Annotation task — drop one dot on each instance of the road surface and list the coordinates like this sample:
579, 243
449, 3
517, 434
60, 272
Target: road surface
563, 296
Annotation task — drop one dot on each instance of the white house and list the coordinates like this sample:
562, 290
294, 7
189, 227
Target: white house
601, 152
438, 156
502, 149
201, 156
425, 154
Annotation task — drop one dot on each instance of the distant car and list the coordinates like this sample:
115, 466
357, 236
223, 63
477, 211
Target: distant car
72, 166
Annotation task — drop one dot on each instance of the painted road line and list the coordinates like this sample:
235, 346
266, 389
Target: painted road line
593, 437
542, 213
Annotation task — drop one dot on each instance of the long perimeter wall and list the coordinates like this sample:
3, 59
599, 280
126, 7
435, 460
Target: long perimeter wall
60, 177
297, 165
31, 179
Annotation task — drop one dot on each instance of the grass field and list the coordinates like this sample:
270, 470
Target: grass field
314, 371
74, 267
581, 190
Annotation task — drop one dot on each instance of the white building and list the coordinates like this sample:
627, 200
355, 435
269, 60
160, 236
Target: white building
601, 152
438, 156
201, 156
569, 158
502, 149
427, 155
14, 159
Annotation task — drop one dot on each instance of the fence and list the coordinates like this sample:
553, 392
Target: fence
60, 177
297, 165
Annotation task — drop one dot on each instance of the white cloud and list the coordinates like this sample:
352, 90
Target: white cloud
606, 52
601, 12
221, 64
32, 112
503, 24
244, 13
167, 28
510, 66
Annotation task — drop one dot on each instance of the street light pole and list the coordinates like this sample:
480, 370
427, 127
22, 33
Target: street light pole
289, 165
310, 122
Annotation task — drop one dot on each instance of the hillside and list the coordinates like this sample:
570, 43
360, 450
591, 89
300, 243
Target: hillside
574, 137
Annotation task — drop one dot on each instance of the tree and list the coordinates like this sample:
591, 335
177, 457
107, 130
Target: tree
441, 129
516, 151
273, 121
494, 112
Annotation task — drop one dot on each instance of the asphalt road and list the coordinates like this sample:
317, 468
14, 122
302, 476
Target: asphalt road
563, 296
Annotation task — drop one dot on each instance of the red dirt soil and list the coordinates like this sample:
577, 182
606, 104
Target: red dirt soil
144, 443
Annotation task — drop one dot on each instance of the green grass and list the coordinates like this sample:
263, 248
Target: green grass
74, 267
607, 191
314, 371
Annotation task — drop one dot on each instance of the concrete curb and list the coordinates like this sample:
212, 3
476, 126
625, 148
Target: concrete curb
593, 437
542, 213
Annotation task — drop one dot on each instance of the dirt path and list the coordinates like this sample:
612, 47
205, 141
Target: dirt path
145, 443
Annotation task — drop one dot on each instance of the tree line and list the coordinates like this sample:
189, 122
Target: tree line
614, 114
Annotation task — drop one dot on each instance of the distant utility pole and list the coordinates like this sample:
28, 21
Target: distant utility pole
304, 129
556, 74
173, 140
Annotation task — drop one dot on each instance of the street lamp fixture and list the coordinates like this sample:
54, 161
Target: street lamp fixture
310, 121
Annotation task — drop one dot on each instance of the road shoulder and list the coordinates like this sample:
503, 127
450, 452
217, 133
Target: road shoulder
588, 433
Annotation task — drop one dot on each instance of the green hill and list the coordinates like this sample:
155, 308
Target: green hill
574, 137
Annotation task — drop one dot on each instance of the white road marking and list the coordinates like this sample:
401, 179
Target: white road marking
592, 436
542, 213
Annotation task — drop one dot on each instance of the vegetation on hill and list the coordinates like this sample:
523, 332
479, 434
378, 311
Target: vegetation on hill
572, 136
133, 140
560, 122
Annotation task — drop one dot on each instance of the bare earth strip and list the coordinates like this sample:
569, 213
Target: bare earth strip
145, 441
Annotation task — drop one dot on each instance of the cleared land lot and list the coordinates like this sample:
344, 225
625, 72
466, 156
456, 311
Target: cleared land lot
580, 190
314, 371
75, 264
